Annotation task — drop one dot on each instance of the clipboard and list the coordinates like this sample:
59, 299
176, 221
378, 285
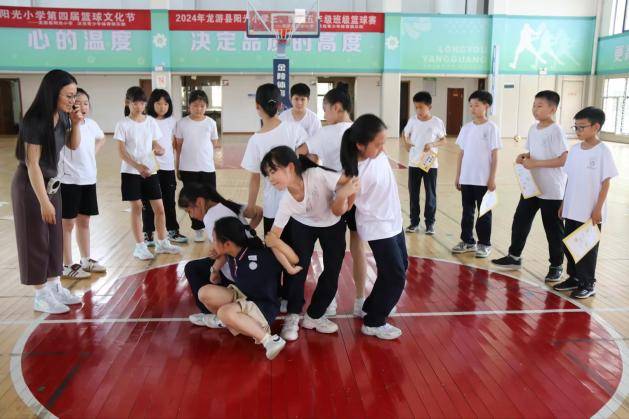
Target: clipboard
426, 160
526, 181
582, 240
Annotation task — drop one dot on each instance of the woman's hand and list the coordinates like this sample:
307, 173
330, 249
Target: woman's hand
76, 116
48, 212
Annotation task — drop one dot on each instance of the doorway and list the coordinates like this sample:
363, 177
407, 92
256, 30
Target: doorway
405, 97
10, 106
454, 112
324, 84
212, 87
571, 103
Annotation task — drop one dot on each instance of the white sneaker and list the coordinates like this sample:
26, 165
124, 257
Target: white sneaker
142, 252
164, 246
331, 310
273, 345
483, 251
393, 310
208, 320
199, 236
358, 307
386, 331
290, 329
321, 325
283, 305
63, 295
91, 265
74, 272
46, 302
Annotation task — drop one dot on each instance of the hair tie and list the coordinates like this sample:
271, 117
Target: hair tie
271, 101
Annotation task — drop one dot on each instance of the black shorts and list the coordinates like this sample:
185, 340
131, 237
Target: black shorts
135, 187
350, 218
78, 199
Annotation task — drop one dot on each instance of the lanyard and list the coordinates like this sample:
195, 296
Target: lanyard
234, 267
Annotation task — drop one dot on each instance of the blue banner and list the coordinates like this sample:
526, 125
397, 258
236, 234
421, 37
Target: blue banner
281, 74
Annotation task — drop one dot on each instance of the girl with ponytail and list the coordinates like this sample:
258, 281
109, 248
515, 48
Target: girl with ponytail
314, 201
378, 220
249, 304
203, 203
325, 146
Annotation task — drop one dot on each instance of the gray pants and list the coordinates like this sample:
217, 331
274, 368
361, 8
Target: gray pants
39, 245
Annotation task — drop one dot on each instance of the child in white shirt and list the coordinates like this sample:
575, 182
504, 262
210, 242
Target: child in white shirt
299, 113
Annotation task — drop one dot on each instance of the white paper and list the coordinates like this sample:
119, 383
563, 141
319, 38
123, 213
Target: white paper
582, 240
426, 160
528, 187
488, 203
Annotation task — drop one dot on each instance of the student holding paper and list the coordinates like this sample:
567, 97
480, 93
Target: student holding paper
589, 167
479, 141
547, 153
423, 134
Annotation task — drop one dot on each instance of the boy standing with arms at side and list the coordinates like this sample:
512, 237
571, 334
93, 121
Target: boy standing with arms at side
590, 166
423, 133
479, 141
299, 98
547, 153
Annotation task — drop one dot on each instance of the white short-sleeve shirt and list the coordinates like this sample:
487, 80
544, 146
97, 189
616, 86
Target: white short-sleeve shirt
289, 134
545, 144
477, 143
378, 210
167, 160
138, 139
197, 150
422, 132
326, 144
310, 122
78, 167
586, 170
314, 210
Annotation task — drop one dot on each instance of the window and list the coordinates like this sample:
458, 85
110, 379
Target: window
619, 17
616, 106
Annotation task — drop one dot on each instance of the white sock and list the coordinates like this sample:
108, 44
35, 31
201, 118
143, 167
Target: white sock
141, 244
265, 340
54, 284
40, 291
84, 261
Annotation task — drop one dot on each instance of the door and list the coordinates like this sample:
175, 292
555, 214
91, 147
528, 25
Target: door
571, 103
147, 86
10, 106
454, 113
405, 93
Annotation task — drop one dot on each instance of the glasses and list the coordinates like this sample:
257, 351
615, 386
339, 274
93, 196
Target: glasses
579, 128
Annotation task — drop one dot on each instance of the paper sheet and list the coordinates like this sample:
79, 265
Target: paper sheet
490, 200
528, 187
582, 240
426, 160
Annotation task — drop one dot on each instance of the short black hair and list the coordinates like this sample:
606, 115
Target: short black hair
592, 114
422, 97
156, 95
198, 95
300, 89
551, 96
482, 96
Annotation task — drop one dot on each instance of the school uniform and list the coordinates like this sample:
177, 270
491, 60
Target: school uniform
288, 134
77, 173
310, 122
196, 162
326, 144
543, 144
586, 171
198, 271
379, 222
477, 143
138, 139
39, 244
420, 133
313, 220
167, 180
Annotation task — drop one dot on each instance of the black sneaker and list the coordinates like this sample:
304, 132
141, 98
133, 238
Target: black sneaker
554, 274
507, 263
148, 239
412, 228
175, 237
582, 293
430, 229
567, 285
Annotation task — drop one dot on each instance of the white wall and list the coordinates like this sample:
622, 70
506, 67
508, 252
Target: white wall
543, 7
367, 95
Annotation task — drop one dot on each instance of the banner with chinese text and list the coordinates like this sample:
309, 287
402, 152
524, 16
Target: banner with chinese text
613, 54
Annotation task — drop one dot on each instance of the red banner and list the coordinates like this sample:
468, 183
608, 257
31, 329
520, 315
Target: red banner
234, 20
44, 17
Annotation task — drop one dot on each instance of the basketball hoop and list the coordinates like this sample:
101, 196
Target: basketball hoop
282, 35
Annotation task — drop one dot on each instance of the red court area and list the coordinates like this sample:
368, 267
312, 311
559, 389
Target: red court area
474, 344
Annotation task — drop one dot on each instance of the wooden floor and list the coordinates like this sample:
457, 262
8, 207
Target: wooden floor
112, 244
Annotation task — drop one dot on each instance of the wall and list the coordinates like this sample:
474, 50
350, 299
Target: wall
367, 95
543, 7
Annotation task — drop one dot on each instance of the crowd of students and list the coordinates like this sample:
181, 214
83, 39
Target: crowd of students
317, 182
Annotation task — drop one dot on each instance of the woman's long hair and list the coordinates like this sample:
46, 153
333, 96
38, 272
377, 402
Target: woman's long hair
282, 156
38, 120
233, 230
193, 190
363, 131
